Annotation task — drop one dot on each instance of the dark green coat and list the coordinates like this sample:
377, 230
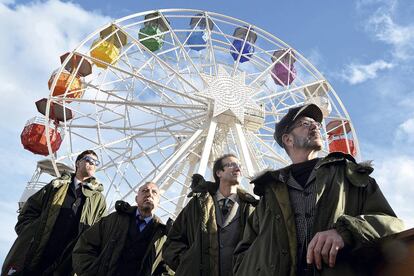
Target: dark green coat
37, 220
191, 248
347, 199
98, 250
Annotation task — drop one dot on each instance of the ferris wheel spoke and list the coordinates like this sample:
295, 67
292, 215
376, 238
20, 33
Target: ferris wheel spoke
207, 147
236, 64
178, 154
185, 189
147, 108
156, 83
290, 90
164, 64
122, 159
173, 178
181, 110
185, 53
271, 152
127, 137
211, 52
244, 148
266, 71
143, 104
170, 162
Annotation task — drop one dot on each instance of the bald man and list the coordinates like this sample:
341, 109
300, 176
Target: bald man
127, 242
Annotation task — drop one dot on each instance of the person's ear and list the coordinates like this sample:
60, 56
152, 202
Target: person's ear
287, 139
218, 173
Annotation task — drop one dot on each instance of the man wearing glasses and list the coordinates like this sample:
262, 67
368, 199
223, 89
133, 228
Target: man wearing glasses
202, 239
52, 219
313, 213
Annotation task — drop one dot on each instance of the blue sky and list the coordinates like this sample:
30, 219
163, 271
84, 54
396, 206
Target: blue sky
364, 48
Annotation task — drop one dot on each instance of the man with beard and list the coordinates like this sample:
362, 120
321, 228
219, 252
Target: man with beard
127, 242
202, 239
315, 212
52, 219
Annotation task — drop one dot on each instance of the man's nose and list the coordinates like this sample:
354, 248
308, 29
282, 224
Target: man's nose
314, 125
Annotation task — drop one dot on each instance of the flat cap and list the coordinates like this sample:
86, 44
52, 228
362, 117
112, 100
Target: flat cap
308, 110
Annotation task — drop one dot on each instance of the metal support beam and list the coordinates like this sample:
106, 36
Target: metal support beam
177, 155
207, 147
245, 154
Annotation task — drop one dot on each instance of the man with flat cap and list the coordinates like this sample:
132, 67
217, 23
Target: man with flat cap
315, 212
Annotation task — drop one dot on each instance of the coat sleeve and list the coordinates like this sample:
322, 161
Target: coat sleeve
251, 230
103, 212
377, 219
32, 209
177, 242
87, 249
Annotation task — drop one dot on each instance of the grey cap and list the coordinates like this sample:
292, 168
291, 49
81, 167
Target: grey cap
308, 110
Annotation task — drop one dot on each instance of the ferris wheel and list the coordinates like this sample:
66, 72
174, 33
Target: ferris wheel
160, 94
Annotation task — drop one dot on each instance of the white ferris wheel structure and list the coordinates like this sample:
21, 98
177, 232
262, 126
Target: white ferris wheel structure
172, 90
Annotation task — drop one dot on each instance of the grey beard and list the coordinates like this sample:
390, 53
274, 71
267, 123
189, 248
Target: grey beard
305, 143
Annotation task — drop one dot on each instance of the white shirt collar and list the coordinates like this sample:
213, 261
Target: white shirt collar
77, 183
232, 197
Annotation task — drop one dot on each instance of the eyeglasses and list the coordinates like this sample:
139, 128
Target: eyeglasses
233, 165
305, 124
91, 160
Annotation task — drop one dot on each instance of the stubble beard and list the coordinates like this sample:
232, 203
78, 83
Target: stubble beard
307, 143
147, 207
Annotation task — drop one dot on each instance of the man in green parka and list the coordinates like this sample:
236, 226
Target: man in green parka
315, 213
52, 219
127, 242
202, 239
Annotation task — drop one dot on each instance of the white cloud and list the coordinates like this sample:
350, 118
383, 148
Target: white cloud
405, 132
33, 38
8, 218
400, 37
395, 175
363, 3
382, 23
358, 73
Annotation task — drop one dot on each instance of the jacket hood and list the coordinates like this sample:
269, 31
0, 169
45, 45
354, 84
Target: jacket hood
200, 185
91, 183
124, 207
353, 171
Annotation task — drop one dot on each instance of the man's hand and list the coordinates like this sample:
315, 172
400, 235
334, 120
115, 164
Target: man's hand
324, 246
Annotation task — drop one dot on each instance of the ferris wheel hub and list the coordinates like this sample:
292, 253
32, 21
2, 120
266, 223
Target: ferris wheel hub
229, 93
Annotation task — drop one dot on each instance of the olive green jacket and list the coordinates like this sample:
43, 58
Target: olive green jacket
348, 199
98, 250
192, 244
37, 219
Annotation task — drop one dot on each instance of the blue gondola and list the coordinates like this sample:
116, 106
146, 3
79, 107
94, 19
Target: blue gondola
243, 44
198, 36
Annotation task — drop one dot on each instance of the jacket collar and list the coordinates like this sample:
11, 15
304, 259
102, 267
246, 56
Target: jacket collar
280, 176
92, 184
200, 186
124, 207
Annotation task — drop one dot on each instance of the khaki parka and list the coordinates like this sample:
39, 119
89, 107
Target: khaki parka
192, 244
348, 199
37, 220
98, 250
